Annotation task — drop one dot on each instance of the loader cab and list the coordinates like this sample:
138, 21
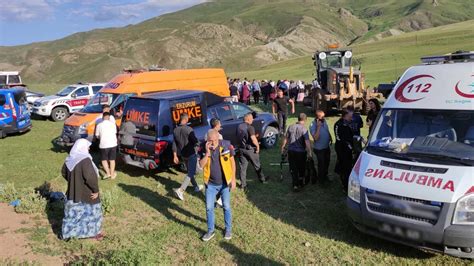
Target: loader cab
330, 63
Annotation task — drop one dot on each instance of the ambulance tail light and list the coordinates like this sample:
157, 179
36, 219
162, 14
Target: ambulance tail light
353, 191
464, 212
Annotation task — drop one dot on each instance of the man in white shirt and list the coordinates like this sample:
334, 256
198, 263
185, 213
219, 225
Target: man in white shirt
106, 132
105, 109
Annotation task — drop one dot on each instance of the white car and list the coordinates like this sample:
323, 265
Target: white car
69, 100
414, 182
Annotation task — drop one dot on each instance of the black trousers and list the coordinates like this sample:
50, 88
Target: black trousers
282, 122
297, 161
256, 97
324, 159
344, 162
266, 98
245, 157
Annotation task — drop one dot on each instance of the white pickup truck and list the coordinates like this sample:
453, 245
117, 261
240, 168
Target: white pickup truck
69, 100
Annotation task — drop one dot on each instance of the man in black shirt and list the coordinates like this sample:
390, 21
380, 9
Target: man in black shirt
185, 145
249, 150
344, 146
234, 92
280, 109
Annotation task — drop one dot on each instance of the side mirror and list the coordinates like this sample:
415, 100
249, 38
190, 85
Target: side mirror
74, 95
254, 114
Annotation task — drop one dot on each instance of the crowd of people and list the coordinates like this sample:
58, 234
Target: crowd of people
215, 157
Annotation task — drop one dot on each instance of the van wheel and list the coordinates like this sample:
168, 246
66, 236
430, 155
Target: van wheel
270, 137
59, 114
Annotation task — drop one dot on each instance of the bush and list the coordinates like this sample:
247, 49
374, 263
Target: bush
30, 200
8, 192
109, 200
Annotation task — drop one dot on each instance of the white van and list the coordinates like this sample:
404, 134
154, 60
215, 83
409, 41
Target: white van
414, 182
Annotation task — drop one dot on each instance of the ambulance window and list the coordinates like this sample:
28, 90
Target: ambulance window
3, 100
224, 113
84, 91
3, 79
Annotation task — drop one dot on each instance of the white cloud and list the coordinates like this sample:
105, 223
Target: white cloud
136, 10
24, 10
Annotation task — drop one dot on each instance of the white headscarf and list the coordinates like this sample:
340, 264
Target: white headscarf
79, 152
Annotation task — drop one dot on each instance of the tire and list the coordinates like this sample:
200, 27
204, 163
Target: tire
2, 135
59, 114
270, 137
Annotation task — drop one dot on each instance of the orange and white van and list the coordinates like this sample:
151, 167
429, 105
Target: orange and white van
414, 183
82, 124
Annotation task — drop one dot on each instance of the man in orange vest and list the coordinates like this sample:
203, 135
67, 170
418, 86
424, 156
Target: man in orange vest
217, 161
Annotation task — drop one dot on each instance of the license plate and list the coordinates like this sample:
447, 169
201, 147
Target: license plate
21, 123
400, 231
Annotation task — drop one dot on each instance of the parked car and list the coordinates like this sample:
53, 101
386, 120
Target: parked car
14, 115
146, 133
69, 100
82, 124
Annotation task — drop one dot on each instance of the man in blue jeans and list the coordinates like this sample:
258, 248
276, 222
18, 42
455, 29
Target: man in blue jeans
217, 161
185, 144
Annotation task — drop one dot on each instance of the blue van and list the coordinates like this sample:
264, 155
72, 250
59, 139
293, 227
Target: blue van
14, 114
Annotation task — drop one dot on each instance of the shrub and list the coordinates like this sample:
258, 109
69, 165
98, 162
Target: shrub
31, 202
109, 200
8, 192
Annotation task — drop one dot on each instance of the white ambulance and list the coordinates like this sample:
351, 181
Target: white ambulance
414, 182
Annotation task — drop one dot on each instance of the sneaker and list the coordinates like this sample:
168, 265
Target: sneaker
199, 188
228, 235
178, 193
219, 202
113, 176
208, 236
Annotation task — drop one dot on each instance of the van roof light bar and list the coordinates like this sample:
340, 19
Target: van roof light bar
459, 56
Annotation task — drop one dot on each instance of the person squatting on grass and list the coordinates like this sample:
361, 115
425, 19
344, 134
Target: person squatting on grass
299, 149
217, 161
185, 144
83, 210
106, 132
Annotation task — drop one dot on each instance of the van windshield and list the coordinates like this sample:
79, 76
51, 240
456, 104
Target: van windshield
425, 134
98, 101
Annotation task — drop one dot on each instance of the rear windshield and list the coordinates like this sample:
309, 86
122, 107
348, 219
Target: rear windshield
191, 106
20, 97
13, 79
143, 114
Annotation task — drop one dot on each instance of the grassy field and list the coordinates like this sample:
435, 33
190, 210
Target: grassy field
147, 225
382, 61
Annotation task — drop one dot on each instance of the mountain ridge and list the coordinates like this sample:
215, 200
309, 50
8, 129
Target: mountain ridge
236, 35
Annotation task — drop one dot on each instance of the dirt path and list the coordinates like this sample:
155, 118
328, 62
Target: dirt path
13, 244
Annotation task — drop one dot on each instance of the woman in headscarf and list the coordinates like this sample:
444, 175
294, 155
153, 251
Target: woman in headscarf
82, 211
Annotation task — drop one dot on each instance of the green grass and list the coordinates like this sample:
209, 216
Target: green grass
382, 61
149, 226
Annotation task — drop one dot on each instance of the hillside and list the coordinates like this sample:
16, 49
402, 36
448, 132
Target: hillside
237, 35
382, 61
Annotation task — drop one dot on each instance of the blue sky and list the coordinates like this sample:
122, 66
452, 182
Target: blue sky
26, 21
